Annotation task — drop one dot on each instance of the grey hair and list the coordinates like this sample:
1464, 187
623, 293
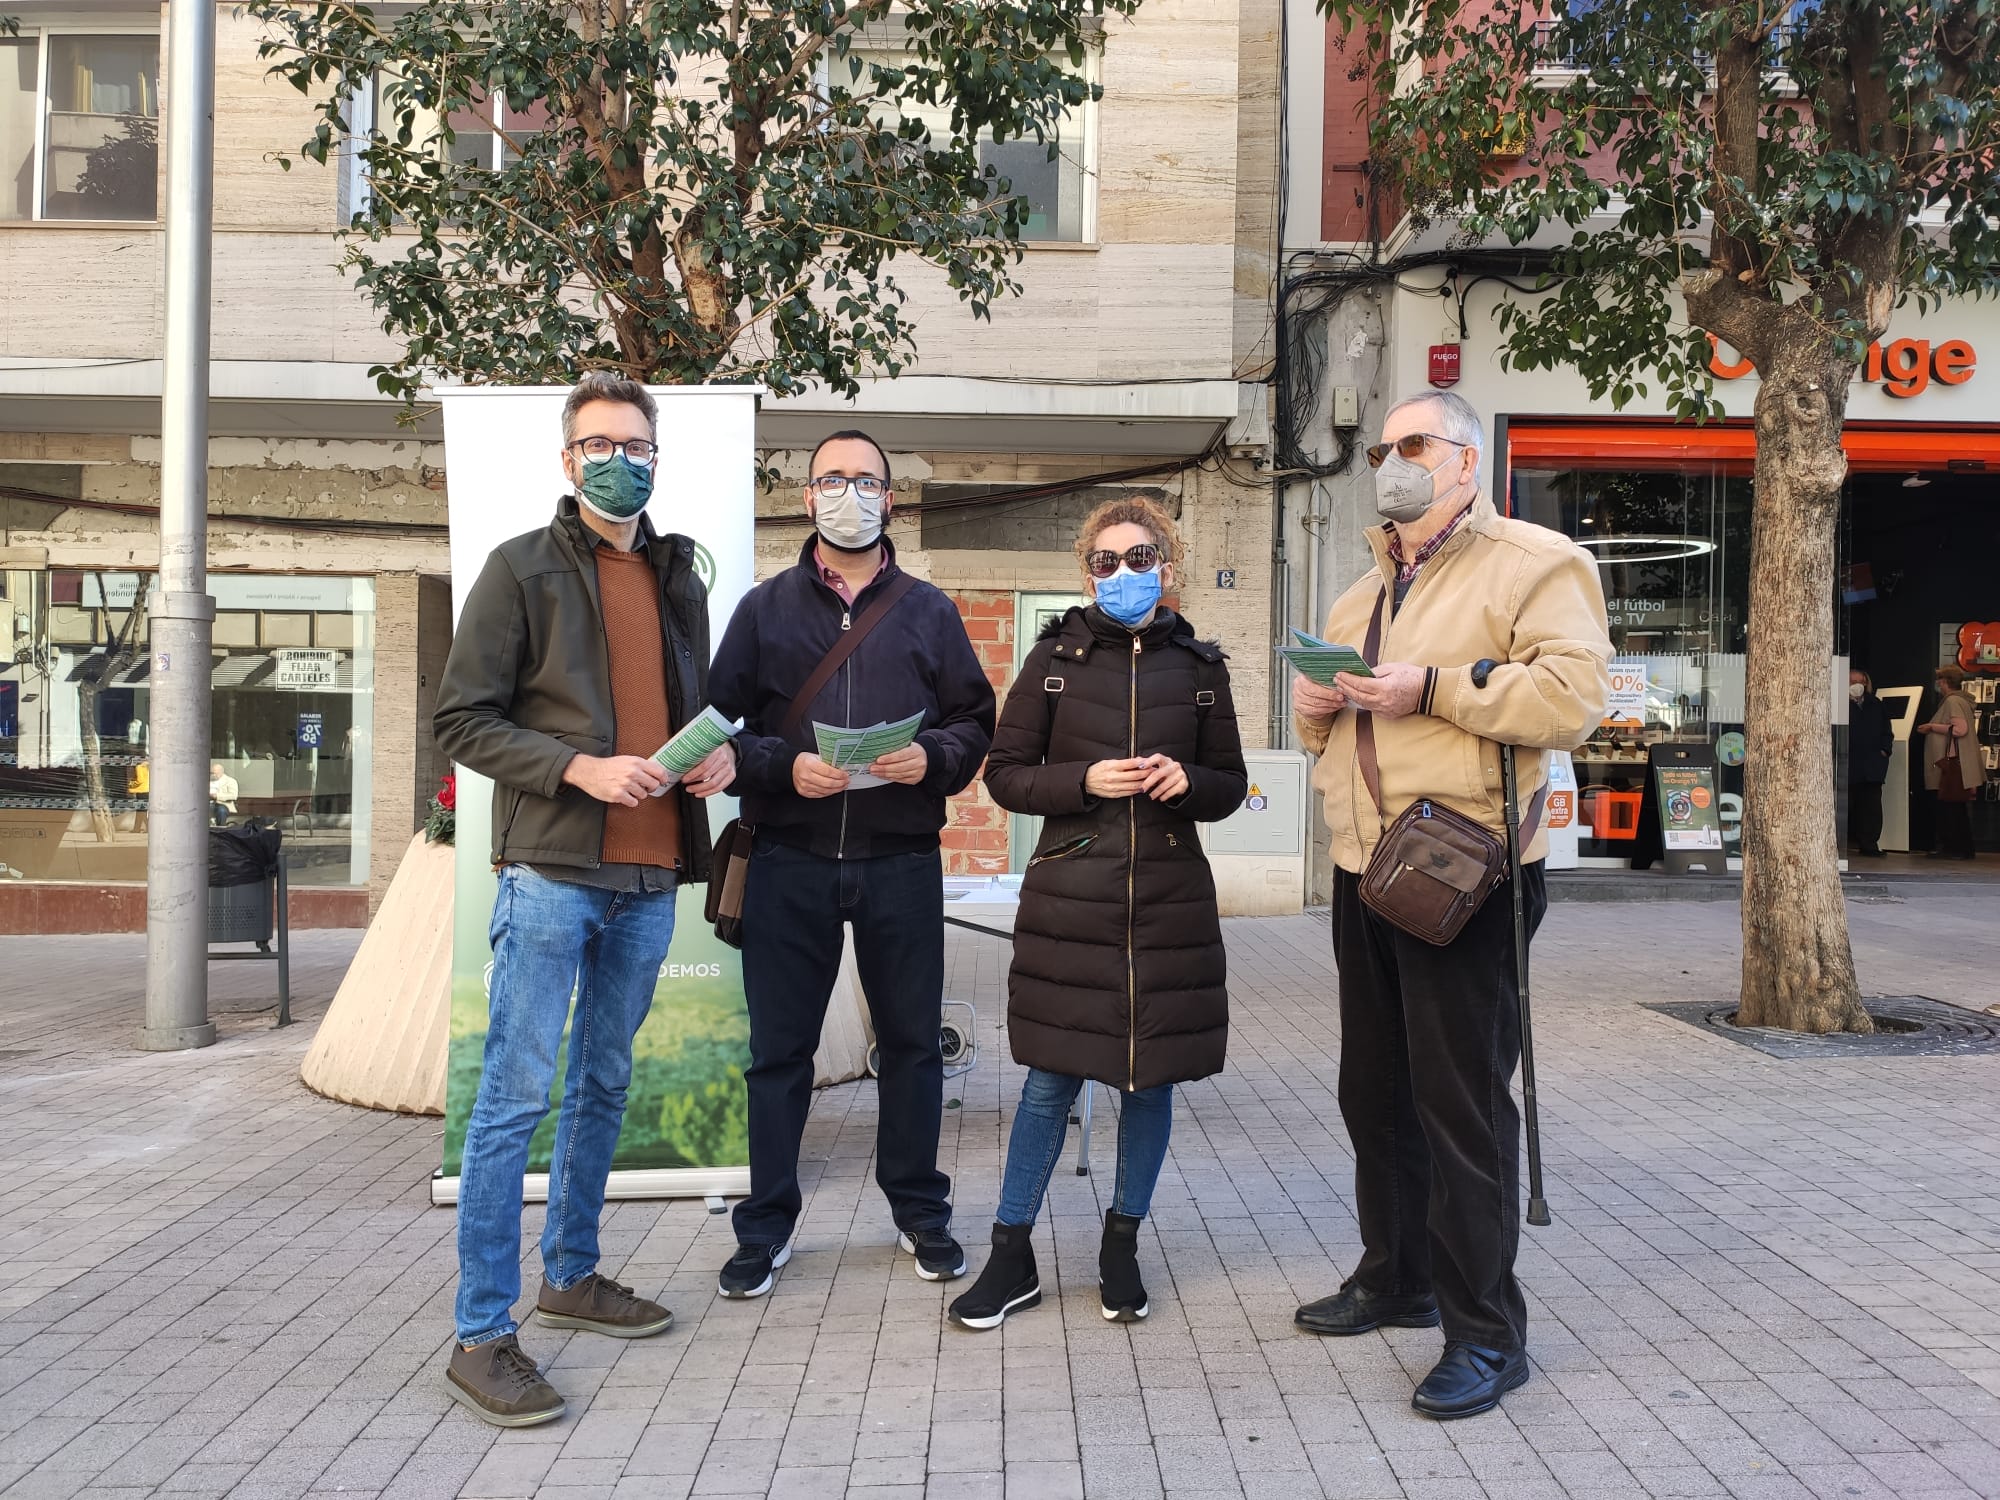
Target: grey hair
1457, 420
603, 385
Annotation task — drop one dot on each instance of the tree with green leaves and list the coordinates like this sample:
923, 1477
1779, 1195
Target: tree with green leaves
1779, 175
682, 190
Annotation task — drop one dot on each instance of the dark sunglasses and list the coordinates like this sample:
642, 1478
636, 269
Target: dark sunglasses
1411, 446
1140, 559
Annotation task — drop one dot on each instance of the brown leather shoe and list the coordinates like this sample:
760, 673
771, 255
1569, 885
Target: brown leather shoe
500, 1384
601, 1305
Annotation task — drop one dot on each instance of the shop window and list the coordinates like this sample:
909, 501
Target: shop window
1673, 553
291, 727
79, 126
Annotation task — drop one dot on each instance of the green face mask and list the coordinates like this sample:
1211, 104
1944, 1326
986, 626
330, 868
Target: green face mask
617, 489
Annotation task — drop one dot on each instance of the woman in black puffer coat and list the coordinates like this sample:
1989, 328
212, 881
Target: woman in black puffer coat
1119, 733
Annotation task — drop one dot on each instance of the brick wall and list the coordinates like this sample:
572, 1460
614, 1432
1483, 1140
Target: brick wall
975, 840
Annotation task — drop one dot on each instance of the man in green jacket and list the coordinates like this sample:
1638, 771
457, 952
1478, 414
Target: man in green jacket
581, 648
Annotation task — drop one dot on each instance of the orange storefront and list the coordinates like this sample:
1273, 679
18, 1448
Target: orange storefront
1665, 506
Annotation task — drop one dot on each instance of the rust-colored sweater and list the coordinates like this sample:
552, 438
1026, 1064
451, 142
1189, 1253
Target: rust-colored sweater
649, 834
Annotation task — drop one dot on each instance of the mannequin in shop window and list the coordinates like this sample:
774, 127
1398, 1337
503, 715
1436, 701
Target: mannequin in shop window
1953, 767
1871, 738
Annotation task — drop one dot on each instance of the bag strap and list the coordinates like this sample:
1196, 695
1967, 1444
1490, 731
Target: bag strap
1364, 742
844, 647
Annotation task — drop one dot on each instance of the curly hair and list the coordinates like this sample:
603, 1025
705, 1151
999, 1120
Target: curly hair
1134, 510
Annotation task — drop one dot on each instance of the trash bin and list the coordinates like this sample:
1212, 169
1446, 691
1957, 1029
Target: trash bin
246, 899
242, 870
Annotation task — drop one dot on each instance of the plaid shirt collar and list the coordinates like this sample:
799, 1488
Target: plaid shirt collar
834, 581
1406, 572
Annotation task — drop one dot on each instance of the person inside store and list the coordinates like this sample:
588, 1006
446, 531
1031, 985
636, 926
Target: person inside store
1953, 767
1871, 739
1430, 1035
847, 639
1120, 733
222, 793
581, 648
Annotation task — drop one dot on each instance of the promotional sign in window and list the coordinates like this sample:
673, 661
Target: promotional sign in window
1627, 703
1690, 811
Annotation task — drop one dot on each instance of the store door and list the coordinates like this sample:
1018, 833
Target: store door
1032, 614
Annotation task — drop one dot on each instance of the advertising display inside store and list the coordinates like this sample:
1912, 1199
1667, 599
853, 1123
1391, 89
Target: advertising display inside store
1666, 509
291, 726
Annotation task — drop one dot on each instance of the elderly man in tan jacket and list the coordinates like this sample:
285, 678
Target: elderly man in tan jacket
1430, 1036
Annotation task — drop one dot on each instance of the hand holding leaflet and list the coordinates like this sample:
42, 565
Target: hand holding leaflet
854, 750
698, 739
1321, 661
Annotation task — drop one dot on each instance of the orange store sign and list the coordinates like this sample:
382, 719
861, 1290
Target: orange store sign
1904, 368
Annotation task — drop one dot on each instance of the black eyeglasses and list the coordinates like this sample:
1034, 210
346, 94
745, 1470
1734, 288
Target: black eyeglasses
833, 486
1140, 559
597, 450
1409, 446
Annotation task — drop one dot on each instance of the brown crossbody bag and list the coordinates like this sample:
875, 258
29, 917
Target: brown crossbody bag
1434, 867
731, 864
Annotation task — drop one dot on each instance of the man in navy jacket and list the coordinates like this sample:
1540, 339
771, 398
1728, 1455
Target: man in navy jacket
826, 855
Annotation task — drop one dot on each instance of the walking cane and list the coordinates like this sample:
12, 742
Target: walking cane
1538, 1206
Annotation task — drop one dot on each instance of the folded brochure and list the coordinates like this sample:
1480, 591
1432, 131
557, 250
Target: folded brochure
855, 750
700, 738
1320, 660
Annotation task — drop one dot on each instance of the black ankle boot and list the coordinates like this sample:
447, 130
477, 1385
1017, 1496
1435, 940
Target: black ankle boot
1119, 1288
1006, 1284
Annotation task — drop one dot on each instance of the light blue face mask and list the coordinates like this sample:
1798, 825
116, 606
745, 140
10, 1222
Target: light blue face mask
1128, 597
616, 488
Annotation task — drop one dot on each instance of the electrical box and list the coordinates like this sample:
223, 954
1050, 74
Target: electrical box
1346, 406
1258, 853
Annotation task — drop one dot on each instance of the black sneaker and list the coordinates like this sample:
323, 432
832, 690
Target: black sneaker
1007, 1283
752, 1270
501, 1385
937, 1253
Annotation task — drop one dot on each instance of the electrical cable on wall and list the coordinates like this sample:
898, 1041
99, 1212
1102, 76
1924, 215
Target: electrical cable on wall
1307, 299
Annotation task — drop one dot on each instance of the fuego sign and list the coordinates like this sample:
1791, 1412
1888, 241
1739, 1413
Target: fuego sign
1903, 369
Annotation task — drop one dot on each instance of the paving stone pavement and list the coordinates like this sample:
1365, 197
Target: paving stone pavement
1767, 1279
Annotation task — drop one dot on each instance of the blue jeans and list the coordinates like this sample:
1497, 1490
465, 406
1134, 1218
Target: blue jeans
795, 905
548, 936
1041, 1124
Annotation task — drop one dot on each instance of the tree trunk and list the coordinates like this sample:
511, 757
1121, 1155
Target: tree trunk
1798, 965
121, 652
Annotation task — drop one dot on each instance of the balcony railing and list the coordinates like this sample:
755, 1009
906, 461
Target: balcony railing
1556, 53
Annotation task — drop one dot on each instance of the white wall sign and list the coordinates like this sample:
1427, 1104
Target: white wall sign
306, 669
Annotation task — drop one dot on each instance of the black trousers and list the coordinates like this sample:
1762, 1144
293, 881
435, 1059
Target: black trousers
1954, 829
1429, 1040
795, 906
1864, 814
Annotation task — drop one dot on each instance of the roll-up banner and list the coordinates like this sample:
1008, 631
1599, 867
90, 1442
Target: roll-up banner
686, 1117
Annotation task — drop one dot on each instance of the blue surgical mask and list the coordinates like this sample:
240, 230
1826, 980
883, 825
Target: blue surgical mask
617, 489
1128, 597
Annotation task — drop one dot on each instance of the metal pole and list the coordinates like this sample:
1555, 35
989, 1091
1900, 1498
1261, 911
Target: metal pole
183, 619
1538, 1206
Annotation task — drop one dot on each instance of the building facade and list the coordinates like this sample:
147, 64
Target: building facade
1133, 353
1376, 307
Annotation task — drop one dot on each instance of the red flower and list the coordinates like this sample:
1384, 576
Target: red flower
447, 796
